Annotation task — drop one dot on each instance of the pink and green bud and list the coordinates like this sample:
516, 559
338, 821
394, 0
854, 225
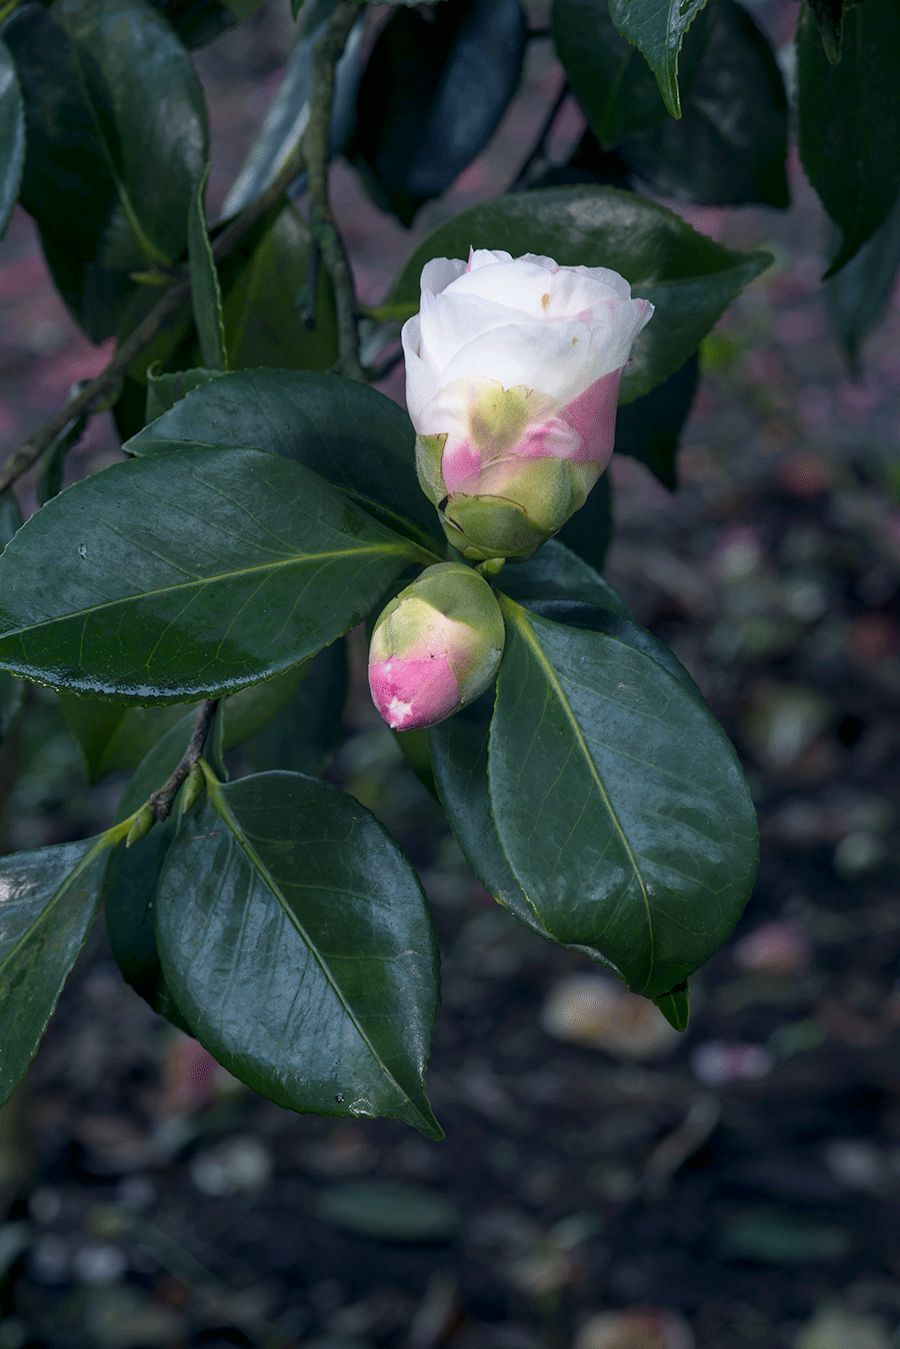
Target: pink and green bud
513, 369
435, 647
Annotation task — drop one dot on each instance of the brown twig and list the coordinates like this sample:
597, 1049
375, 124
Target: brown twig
317, 145
96, 391
162, 800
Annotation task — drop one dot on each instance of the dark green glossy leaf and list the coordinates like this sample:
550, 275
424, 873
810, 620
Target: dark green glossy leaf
849, 120
48, 899
589, 531
296, 939
189, 575
12, 136
132, 875
266, 297
459, 762
566, 587
859, 295
689, 278
557, 573
676, 1005
649, 429
434, 90
116, 139
165, 389
730, 147
288, 117
350, 435
619, 803
612, 82
205, 293
657, 28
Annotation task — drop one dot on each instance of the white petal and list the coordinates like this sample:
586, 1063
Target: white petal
552, 358
449, 322
486, 257
439, 273
528, 287
422, 379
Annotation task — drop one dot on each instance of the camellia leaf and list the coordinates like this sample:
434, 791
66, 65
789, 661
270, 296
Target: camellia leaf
116, 140
296, 939
730, 147
849, 120
589, 531
48, 899
612, 82
266, 284
189, 575
132, 875
618, 801
12, 136
689, 278
860, 293
434, 90
676, 1005
649, 429
351, 435
165, 389
205, 292
564, 587
657, 28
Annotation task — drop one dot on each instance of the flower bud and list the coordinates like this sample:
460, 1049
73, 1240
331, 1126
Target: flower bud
435, 647
513, 367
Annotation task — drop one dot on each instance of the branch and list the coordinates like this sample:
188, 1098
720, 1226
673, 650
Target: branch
96, 391
162, 800
317, 145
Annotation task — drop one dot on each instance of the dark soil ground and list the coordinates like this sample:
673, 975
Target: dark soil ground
743, 1177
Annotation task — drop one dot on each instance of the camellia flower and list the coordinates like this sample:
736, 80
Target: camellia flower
435, 647
513, 368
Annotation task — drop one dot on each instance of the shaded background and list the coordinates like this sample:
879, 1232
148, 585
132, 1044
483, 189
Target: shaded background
605, 1183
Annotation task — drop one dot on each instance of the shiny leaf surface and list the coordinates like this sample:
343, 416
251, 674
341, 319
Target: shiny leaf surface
350, 435
48, 899
297, 942
730, 147
657, 28
266, 287
205, 294
689, 278
618, 801
849, 120
434, 90
189, 575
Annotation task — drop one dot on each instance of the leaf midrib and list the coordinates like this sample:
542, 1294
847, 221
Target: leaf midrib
556, 685
298, 559
220, 802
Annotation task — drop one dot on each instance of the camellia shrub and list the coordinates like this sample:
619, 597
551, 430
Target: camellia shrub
269, 500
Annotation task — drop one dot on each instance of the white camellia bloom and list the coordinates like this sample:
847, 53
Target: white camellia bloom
513, 368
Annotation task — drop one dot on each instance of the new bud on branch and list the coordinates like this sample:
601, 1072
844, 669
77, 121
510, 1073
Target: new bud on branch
435, 647
513, 368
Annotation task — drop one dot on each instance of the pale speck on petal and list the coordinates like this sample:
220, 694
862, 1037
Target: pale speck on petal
398, 712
